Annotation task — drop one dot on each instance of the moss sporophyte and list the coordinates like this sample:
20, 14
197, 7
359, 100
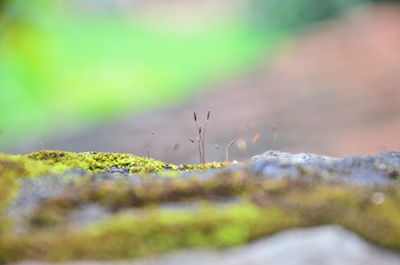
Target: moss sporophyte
201, 136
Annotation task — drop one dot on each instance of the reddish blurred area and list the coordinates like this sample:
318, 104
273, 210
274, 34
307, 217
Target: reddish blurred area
333, 90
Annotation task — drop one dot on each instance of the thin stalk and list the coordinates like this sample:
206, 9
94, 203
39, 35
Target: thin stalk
199, 147
201, 131
204, 136
228, 146
148, 143
199, 138
202, 143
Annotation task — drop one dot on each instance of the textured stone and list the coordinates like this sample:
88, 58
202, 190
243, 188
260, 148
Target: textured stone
382, 168
329, 245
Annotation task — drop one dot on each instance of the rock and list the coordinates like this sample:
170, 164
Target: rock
377, 169
327, 245
32, 192
155, 217
302, 158
88, 214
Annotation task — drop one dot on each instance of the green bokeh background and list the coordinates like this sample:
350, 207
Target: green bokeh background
60, 69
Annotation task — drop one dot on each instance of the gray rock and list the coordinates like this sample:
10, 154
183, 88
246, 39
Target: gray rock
32, 192
87, 214
380, 169
328, 245
288, 158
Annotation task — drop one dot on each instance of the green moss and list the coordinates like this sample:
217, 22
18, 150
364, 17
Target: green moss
209, 226
16, 166
96, 162
45, 163
266, 207
12, 168
130, 235
349, 206
116, 195
142, 226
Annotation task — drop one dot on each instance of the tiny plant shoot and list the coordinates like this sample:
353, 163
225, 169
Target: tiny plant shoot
149, 139
227, 148
201, 136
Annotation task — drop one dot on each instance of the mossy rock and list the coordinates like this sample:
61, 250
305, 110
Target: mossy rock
192, 207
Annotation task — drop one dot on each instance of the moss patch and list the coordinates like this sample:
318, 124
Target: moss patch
129, 235
13, 168
265, 208
43, 163
117, 195
228, 209
97, 162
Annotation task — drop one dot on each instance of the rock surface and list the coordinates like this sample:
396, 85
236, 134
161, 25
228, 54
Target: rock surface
380, 169
327, 245
377, 169
118, 206
302, 158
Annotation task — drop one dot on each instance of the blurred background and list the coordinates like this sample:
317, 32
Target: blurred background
127, 75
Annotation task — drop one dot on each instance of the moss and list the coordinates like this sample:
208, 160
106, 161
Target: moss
229, 209
157, 191
128, 235
116, 195
47, 162
266, 207
44, 163
96, 162
349, 206
8, 171
209, 226
263, 209
16, 166
13, 168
